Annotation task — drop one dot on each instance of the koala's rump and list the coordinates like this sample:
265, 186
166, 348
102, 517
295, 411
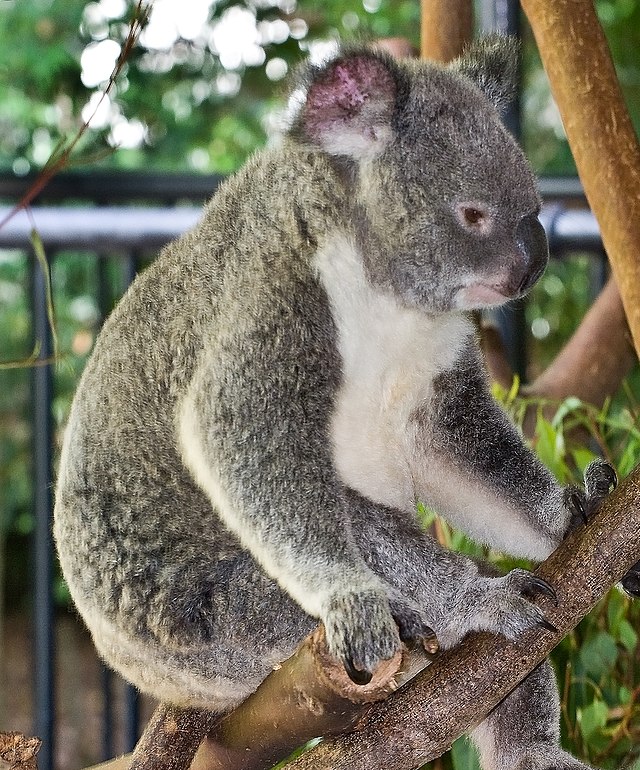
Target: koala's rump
172, 599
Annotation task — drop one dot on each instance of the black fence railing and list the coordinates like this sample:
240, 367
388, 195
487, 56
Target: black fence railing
131, 216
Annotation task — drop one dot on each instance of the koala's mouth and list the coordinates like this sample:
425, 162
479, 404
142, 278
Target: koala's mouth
480, 295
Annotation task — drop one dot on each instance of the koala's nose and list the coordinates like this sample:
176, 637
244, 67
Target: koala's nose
531, 241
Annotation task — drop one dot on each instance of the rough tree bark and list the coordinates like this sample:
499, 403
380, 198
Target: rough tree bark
309, 695
585, 86
171, 738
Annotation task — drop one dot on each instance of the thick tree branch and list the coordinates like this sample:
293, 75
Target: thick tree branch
309, 695
583, 80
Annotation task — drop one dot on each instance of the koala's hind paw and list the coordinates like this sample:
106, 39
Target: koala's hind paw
503, 605
361, 632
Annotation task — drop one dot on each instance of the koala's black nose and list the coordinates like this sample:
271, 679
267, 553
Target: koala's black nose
531, 241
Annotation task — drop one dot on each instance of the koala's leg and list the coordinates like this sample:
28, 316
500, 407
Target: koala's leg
453, 593
523, 731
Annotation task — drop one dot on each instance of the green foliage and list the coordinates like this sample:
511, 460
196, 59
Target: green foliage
190, 104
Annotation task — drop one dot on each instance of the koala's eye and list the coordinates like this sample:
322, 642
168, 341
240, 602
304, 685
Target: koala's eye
474, 217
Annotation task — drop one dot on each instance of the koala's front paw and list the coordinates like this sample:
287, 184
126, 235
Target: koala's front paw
503, 605
361, 632
599, 480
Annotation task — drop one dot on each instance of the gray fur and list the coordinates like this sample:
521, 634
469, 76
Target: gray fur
273, 396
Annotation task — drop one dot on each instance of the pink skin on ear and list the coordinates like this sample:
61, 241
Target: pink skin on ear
347, 96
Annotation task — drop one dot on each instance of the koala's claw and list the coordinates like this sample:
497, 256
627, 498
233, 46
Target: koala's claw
357, 675
600, 479
411, 623
577, 505
544, 623
536, 585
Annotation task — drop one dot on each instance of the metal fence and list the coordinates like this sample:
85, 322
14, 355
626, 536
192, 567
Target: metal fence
127, 217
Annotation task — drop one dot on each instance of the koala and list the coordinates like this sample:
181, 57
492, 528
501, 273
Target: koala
274, 395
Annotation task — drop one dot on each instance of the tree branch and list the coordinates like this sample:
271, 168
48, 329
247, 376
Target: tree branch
309, 695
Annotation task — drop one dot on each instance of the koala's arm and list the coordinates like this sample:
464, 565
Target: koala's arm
479, 474
253, 434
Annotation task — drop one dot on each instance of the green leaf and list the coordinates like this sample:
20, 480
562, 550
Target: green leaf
599, 654
464, 756
582, 457
550, 446
593, 717
426, 515
616, 609
624, 695
627, 635
571, 404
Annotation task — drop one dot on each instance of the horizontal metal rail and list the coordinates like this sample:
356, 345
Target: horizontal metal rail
96, 229
127, 186
115, 228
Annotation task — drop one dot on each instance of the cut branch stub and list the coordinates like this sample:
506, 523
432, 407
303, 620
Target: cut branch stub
308, 696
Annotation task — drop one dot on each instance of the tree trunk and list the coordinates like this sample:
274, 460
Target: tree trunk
583, 80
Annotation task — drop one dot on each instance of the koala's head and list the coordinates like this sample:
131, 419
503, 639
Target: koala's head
446, 204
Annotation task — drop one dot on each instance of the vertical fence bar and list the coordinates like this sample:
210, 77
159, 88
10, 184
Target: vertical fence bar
131, 717
504, 16
42, 388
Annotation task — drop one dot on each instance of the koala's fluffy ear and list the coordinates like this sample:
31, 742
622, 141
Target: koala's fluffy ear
492, 64
347, 104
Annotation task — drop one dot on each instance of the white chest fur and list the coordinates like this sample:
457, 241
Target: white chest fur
390, 356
